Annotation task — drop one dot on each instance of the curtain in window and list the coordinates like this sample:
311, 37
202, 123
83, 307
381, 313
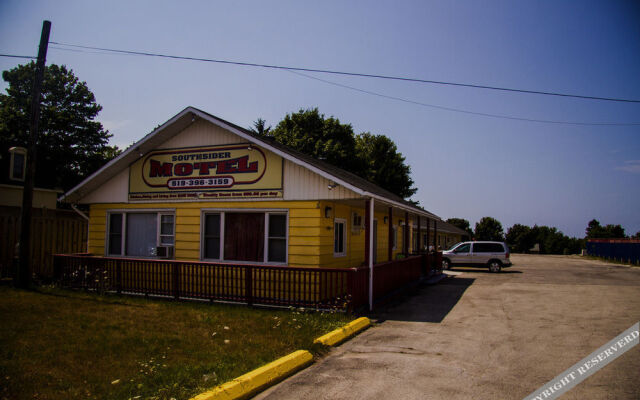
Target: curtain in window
142, 233
244, 237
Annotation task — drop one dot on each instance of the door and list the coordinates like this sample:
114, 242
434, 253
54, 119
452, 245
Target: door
462, 254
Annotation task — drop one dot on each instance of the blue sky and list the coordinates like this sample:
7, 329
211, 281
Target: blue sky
464, 165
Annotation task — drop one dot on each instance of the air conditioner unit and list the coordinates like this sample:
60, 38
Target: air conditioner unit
164, 252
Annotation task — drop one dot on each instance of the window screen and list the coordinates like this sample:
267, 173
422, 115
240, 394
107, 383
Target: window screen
212, 236
115, 234
277, 238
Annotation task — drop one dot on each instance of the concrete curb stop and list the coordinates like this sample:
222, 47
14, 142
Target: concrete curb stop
260, 378
343, 333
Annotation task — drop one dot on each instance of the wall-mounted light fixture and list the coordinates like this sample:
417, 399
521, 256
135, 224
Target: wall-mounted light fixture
386, 219
249, 147
332, 185
327, 212
140, 153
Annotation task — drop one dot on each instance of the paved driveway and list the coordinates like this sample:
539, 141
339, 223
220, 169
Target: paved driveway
482, 335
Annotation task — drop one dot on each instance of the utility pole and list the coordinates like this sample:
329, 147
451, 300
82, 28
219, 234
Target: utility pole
24, 268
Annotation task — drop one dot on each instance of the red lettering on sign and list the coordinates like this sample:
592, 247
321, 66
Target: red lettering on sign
160, 169
183, 169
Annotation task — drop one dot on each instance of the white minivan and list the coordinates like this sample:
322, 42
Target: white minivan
494, 255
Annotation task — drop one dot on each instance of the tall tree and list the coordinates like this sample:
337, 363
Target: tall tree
71, 144
372, 157
383, 165
520, 238
462, 224
326, 139
260, 127
489, 228
596, 231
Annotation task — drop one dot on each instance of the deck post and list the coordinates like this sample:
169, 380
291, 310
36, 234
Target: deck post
419, 242
176, 280
370, 247
405, 240
248, 284
435, 235
390, 242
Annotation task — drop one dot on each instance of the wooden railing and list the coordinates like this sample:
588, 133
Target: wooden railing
324, 288
251, 284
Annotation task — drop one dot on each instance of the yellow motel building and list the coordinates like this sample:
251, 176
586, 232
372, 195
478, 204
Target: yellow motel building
199, 188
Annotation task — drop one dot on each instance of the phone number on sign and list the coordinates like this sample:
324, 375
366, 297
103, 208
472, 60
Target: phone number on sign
200, 183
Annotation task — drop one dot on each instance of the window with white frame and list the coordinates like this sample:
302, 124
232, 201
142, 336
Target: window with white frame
139, 233
246, 236
339, 237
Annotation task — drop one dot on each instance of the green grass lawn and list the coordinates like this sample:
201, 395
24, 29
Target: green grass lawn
57, 344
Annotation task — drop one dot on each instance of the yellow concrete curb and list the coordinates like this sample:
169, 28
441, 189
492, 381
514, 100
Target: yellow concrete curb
341, 334
257, 379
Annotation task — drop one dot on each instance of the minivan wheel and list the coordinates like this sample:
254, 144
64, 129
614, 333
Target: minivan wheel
445, 264
495, 266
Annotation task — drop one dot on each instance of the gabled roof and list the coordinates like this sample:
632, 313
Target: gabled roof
184, 118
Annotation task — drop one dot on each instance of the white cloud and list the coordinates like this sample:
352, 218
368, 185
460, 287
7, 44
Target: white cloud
632, 166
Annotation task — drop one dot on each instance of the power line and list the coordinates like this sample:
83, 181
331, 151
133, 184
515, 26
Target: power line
458, 110
326, 71
15, 56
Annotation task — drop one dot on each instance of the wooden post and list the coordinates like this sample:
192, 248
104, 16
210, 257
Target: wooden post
248, 284
367, 227
428, 227
176, 280
24, 273
435, 235
419, 236
390, 246
119, 276
405, 241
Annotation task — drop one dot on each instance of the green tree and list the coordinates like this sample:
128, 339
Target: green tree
382, 164
489, 228
636, 236
462, 224
71, 144
519, 238
260, 127
372, 157
596, 231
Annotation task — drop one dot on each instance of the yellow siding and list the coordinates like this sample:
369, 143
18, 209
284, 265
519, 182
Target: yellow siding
311, 234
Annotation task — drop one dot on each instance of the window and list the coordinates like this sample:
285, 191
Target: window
166, 229
211, 237
277, 248
115, 234
244, 236
138, 234
339, 238
488, 248
464, 248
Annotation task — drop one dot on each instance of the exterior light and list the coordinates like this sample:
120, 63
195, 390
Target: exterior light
386, 219
327, 212
332, 186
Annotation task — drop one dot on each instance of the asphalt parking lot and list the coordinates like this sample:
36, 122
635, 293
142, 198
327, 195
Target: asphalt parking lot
481, 335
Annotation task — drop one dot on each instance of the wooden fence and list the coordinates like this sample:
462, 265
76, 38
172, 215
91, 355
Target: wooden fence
52, 232
325, 288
